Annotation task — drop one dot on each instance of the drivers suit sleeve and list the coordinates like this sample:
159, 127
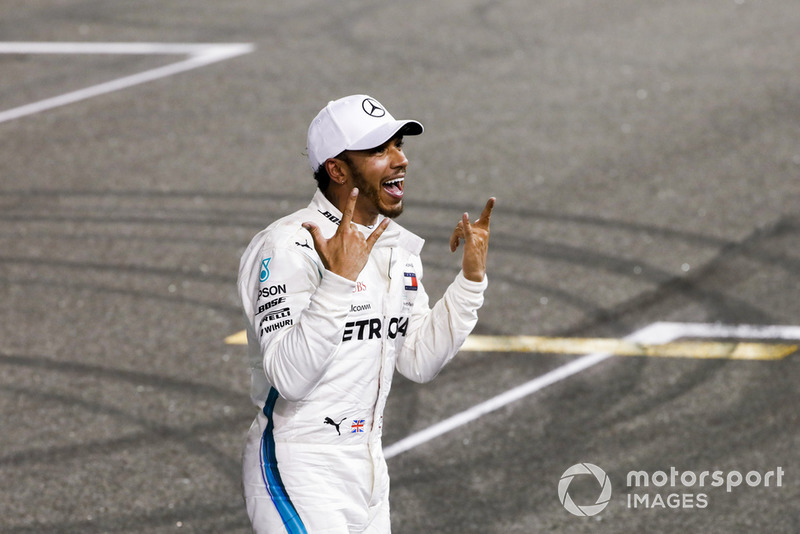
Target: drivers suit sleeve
295, 313
436, 334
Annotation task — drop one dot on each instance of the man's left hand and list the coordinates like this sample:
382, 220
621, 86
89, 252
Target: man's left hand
476, 243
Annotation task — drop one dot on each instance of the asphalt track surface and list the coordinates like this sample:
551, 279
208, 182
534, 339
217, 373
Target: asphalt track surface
645, 157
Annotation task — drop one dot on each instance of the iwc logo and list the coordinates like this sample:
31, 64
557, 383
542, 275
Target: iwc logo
373, 108
602, 500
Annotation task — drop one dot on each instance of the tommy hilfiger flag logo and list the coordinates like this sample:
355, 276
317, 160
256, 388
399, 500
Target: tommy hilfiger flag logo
357, 426
411, 281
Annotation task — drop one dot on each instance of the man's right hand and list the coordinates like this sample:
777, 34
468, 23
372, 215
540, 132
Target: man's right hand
347, 251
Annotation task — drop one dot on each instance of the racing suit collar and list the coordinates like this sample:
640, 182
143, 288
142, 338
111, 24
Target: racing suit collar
327, 217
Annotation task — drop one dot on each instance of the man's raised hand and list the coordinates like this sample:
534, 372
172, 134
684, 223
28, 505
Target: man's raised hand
347, 251
476, 243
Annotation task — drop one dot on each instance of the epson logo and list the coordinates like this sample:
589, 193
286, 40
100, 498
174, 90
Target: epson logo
271, 291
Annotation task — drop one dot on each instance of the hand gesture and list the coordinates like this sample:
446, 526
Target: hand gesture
347, 251
476, 243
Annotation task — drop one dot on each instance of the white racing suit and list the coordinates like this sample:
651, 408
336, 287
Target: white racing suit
323, 350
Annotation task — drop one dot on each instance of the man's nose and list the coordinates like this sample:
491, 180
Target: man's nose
398, 157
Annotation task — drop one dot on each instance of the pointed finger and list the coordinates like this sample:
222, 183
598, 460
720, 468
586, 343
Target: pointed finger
454, 242
487, 212
467, 227
349, 209
377, 232
456, 237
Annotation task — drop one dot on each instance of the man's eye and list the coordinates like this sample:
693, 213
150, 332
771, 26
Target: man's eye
380, 150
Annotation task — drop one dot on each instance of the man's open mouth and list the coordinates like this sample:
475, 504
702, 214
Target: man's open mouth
394, 187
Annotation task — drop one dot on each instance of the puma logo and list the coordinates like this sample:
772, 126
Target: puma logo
329, 421
306, 245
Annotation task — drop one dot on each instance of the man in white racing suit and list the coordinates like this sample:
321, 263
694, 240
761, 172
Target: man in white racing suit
334, 302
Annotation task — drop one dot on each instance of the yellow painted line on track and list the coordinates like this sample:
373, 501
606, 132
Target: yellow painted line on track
239, 338
732, 350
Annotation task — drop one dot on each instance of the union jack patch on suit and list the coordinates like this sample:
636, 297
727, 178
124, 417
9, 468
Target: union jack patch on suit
357, 426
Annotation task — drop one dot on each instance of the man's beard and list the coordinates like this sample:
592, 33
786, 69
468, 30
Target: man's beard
373, 194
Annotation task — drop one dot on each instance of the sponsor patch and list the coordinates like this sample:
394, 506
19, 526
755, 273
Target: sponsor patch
271, 291
330, 216
264, 270
366, 329
274, 315
267, 305
277, 326
410, 279
329, 421
355, 308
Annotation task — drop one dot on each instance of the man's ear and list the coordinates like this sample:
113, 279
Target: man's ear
337, 170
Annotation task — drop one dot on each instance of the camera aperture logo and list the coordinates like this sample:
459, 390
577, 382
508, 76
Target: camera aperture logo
667, 489
585, 510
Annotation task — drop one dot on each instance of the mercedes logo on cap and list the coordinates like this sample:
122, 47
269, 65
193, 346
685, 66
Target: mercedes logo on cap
372, 108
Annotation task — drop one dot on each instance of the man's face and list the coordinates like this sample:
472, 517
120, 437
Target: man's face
379, 175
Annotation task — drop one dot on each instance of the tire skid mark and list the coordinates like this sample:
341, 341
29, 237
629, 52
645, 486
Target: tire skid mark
165, 296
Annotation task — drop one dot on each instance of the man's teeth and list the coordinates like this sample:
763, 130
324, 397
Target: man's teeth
394, 182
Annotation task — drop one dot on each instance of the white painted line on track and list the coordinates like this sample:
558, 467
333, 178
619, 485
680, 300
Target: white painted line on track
660, 332
495, 403
649, 334
740, 331
199, 55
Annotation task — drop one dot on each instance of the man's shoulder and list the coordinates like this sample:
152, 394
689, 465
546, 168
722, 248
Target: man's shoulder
285, 232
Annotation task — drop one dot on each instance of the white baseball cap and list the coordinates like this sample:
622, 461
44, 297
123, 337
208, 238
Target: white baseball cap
356, 122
